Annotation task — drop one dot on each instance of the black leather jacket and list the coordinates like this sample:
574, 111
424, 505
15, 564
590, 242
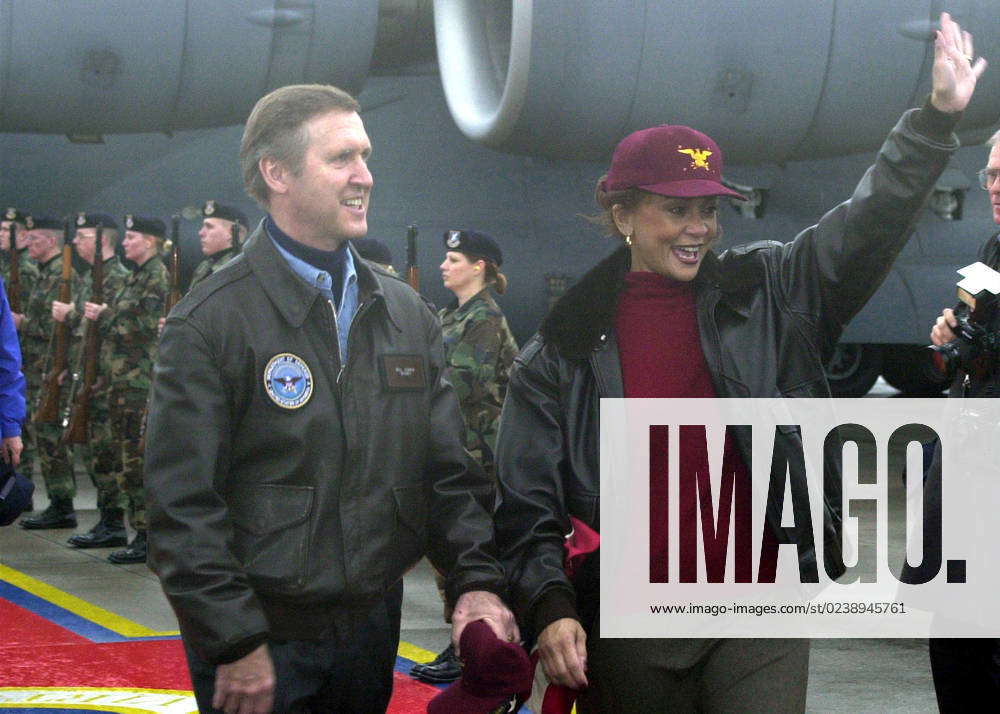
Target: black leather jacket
769, 316
265, 520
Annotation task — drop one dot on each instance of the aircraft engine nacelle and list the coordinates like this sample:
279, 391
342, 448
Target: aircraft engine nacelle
770, 80
108, 66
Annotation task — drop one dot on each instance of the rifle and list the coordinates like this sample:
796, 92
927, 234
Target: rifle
412, 271
14, 281
48, 398
78, 421
174, 294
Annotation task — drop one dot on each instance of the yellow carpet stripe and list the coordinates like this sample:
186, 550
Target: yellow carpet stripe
97, 615
414, 653
127, 628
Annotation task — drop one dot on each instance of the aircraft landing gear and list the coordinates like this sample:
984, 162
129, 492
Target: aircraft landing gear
853, 369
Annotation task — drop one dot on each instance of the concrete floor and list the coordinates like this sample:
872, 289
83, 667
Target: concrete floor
849, 676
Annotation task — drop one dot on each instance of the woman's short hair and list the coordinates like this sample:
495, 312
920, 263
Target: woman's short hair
276, 129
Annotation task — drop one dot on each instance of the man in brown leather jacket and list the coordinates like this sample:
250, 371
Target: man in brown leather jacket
325, 453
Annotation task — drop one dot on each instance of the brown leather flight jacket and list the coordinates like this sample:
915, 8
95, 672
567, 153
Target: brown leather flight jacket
267, 519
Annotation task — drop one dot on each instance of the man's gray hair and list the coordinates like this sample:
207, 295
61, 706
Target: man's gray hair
276, 129
993, 140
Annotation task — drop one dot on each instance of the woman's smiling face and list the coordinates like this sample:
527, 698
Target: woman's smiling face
670, 236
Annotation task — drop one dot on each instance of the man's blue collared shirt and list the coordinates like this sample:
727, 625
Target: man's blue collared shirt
320, 279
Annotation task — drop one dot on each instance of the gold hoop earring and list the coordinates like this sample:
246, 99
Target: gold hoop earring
628, 240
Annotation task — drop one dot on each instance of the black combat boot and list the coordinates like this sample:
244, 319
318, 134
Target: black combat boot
446, 667
134, 553
59, 514
109, 532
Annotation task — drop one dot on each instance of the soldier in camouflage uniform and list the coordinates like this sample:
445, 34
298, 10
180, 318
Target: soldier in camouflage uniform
479, 350
101, 454
216, 237
27, 268
479, 347
45, 241
12, 218
129, 330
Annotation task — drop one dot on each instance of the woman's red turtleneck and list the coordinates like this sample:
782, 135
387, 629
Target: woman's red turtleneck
661, 356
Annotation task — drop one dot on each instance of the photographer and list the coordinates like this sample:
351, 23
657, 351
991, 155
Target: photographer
967, 671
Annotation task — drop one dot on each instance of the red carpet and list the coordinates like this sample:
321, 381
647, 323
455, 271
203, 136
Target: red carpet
36, 652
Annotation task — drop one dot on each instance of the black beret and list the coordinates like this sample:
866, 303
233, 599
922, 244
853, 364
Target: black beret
53, 224
214, 209
373, 250
474, 245
145, 224
12, 214
92, 220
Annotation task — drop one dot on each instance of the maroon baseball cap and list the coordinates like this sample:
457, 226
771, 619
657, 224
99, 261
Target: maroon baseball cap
494, 673
668, 160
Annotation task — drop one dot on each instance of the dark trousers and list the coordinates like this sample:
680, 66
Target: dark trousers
733, 676
350, 673
966, 673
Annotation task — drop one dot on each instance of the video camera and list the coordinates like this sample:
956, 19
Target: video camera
975, 348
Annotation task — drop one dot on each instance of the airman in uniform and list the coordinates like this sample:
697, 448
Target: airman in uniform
478, 345
13, 219
479, 350
216, 237
100, 455
17, 221
129, 331
45, 240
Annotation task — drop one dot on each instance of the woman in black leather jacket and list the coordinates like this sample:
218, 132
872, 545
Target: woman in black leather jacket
663, 316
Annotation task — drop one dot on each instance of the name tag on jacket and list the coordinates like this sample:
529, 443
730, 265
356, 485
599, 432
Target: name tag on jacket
404, 372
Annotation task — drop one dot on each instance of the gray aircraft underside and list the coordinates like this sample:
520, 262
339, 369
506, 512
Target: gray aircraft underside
505, 122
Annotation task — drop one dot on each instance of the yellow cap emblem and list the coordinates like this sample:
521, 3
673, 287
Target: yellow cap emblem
699, 157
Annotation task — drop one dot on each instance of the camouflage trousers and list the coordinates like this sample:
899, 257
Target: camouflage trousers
101, 456
52, 457
126, 421
56, 464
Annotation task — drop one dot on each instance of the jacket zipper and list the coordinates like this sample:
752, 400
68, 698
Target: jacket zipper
362, 309
595, 368
336, 335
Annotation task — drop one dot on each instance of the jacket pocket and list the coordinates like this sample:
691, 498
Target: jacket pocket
271, 534
411, 527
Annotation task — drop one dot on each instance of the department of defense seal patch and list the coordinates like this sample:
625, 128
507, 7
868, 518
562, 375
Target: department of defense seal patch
288, 381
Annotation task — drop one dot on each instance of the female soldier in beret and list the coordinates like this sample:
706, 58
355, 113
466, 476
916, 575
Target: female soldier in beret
479, 349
